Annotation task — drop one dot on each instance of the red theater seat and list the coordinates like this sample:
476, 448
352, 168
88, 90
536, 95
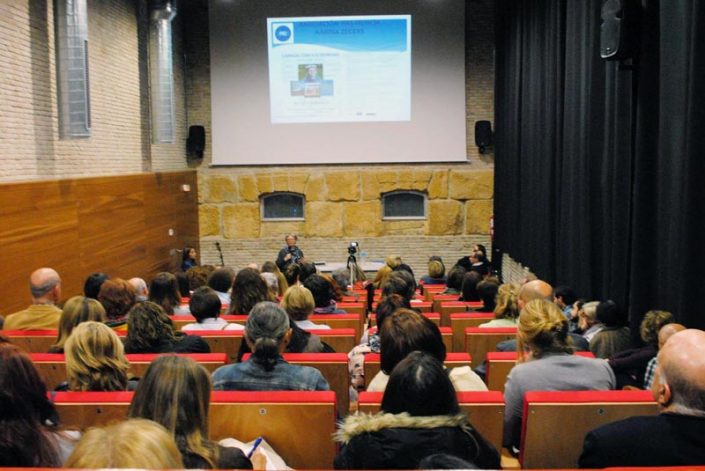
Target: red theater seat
278, 416
555, 423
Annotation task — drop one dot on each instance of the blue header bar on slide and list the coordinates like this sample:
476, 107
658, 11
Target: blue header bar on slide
354, 35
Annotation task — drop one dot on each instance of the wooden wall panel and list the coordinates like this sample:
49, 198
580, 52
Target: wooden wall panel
118, 225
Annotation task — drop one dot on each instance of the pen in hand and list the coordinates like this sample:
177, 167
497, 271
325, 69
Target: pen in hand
254, 446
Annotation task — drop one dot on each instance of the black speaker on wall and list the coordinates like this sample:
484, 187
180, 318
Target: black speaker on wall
619, 31
196, 142
483, 135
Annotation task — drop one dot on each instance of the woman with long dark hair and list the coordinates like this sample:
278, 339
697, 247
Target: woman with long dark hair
249, 288
419, 416
150, 330
29, 436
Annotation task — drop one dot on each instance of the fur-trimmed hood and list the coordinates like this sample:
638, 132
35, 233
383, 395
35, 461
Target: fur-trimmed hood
358, 424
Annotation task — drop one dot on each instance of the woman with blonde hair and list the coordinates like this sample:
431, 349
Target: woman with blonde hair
134, 444
95, 359
175, 392
506, 310
282, 284
76, 310
299, 304
545, 362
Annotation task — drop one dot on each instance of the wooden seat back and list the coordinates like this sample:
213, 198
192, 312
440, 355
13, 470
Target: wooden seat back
555, 423
373, 362
34, 341
52, 366
485, 410
342, 340
459, 321
278, 416
480, 340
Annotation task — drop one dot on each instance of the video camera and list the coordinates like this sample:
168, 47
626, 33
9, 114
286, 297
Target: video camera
352, 248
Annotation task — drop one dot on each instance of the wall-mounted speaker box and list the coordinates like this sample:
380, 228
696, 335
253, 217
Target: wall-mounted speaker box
483, 135
619, 30
196, 141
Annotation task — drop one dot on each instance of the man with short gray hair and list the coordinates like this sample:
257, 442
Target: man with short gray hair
45, 287
674, 437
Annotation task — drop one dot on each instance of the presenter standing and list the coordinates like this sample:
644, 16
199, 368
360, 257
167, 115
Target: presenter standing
289, 254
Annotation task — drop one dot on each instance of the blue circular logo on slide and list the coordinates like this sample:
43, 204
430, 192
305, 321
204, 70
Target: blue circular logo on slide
283, 33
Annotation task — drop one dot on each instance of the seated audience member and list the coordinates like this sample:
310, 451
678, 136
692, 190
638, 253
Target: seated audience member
454, 282
400, 282
299, 304
476, 262
506, 310
91, 287
45, 287
436, 272
140, 287
282, 285
406, 331
131, 444
29, 436
469, 286
419, 416
197, 277
175, 393
564, 297
323, 295
272, 284
613, 337
545, 362
291, 273
117, 297
674, 437
587, 320
406, 268
306, 270
76, 310
95, 360
370, 342
221, 280
539, 289
487, 291
249, 288
150, 330
164, 291
267, 333
341, 276
205, 307
183, 285
666, 332
188, 258
390, 263
629, 366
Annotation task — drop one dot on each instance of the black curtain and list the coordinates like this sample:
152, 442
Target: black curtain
599, 165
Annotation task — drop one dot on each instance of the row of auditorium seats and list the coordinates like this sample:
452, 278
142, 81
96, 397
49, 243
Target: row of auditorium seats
280, 417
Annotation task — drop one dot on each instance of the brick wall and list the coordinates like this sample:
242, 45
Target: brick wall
119, 143
460, 195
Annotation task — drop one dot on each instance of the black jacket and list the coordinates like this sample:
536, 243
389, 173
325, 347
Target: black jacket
659, 440
400, 441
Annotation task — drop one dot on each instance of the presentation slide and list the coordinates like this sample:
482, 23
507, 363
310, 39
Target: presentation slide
339, 69
325, 82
